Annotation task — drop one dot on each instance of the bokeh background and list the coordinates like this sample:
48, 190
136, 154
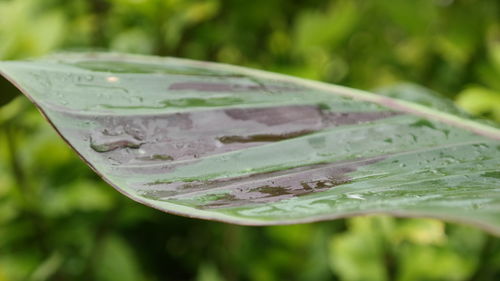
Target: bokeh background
59, 221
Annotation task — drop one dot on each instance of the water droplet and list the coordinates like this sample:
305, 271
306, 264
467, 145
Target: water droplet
450, 160
136, 99
156, 157
481, 146
355, 196
83, 78
113, 161
105, 142
414, 138
112, 79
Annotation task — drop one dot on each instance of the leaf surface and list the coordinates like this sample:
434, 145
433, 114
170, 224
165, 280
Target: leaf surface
244, 146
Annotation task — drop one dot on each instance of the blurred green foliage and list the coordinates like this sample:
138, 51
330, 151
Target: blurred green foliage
59, 221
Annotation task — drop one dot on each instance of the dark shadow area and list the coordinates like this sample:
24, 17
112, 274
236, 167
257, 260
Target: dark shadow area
7, 91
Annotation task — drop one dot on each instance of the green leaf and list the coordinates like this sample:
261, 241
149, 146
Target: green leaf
243, 146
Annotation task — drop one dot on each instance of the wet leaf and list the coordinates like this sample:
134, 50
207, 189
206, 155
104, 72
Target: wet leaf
249, 147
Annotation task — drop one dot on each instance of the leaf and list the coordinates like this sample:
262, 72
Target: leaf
243, 146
